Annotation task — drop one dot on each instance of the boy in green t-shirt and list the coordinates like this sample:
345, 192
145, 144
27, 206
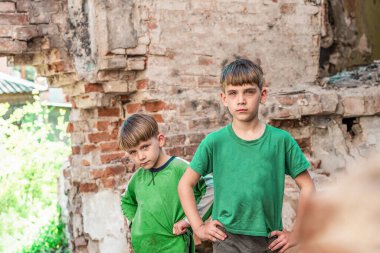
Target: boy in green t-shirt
249, 161
150, 202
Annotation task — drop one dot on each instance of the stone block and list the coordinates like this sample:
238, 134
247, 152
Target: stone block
136, 63
6, 31
8, 46
108, 75
114, 62
13, 19
116, 87
139, 50
353, 106
7, 7
25, 32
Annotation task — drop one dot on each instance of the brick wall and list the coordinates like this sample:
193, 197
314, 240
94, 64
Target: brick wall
163, 58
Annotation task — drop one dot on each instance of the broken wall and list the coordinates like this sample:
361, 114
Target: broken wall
163, 58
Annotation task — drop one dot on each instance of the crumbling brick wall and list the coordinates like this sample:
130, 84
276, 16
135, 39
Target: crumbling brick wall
163, 58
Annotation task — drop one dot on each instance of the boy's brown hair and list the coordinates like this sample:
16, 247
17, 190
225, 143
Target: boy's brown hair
135, 129
240, 72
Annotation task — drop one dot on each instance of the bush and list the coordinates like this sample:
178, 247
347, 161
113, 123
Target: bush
52, 238
33, 150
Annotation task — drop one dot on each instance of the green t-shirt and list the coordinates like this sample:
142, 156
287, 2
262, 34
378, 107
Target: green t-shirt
249, 177
152, 205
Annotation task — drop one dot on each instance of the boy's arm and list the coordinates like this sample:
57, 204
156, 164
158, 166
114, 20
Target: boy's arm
129, 204
204, 231
288, 239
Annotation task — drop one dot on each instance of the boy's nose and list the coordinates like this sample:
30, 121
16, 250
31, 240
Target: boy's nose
141, 156
241, 99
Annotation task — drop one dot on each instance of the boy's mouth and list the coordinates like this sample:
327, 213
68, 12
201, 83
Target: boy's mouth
144, 164
241, 110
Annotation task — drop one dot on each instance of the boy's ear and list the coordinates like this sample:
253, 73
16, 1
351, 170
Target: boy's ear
264, 95
223, 98
161, 139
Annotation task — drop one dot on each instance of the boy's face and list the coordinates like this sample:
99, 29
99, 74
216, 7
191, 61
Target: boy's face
243, 101
147, 153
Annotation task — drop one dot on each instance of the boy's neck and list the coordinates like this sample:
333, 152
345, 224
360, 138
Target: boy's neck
161, 160
250, 130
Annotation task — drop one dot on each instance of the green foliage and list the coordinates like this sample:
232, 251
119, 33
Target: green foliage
32, 150
51, 238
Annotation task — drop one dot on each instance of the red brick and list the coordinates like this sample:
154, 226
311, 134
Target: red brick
190, 150
114, 170
288, 8
158, 118
154, 106
99, 137
70, 127
109, 112
115, 133
88, 187
196, 138
23, 5
87, 148
26, 32
205, 60
13, 19
152, 25
85, 163
134, 107
142, 84
207, 81
287, 100
111, 157
9, 46
177, 151
6, 31
175, 140
109, 146
102, 125
94, 174
93, 87
108, 183
7, 7
75, 150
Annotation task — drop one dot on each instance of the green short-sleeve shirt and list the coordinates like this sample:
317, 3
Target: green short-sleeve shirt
249, 177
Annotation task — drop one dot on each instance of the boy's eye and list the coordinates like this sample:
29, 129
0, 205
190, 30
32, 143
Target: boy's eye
232, 93
145, 147
132, 152
250, 92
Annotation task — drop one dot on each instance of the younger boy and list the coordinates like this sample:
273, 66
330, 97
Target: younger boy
249, 161
150, 202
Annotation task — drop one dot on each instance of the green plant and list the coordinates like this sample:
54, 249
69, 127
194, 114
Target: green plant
32, 149
52, 238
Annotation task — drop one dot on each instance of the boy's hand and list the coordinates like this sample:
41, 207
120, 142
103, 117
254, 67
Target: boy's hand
180, 227
283, 241
210, 231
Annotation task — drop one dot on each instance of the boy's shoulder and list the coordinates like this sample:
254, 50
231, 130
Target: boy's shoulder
217, 134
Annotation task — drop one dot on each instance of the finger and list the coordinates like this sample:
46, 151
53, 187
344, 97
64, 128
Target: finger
279, 245
217, 235
273, 244
276, 232
284, 248
216, 222
220, 233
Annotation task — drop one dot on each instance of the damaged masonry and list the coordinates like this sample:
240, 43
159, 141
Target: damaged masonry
163, 58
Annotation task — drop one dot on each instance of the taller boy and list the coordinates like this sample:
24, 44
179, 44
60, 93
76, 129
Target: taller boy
249, 160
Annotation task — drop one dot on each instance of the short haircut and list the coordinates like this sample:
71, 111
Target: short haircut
241, 72
135, 129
